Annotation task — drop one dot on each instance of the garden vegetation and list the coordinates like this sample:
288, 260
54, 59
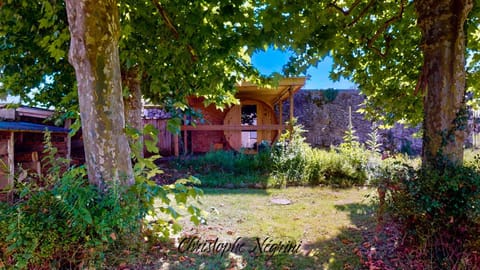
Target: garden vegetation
435, 213
61, 221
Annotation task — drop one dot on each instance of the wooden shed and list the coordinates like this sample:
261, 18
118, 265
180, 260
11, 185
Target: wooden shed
258, 118
21, 141
158, 118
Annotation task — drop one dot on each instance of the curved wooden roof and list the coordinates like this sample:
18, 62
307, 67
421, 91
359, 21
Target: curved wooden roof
270, 95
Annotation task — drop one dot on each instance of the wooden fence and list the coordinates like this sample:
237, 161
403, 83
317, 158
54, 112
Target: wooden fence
165, 138
476, 129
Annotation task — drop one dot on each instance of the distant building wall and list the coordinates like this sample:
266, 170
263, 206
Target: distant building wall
204, 141
325, 116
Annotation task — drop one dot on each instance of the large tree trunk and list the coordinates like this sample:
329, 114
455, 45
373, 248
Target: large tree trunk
442, 25
133, 102
94, 28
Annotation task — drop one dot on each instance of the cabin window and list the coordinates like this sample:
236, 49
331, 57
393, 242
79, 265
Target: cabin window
249, 118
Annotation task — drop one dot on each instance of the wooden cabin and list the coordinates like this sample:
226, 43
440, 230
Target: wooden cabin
22, 133
243, 127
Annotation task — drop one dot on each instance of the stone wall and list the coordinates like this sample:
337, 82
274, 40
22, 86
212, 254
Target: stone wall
325, 116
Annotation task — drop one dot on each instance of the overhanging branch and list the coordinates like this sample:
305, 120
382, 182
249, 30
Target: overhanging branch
382, 29
362, 13
344, 12
173, 29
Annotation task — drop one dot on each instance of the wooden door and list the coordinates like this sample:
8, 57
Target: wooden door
233, 117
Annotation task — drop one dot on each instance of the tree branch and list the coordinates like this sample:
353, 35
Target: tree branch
382, 29
362, 13
172, 28
344, 12
354, 5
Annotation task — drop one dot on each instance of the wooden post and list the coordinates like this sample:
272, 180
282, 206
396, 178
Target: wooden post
11, 159
36, 164
291, 112
291, 105
185, 140
68, 123
280, 116
175, 145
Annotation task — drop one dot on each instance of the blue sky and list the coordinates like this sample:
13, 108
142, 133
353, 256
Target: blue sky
273, 60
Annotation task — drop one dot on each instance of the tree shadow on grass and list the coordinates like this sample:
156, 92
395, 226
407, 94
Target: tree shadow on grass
338, 252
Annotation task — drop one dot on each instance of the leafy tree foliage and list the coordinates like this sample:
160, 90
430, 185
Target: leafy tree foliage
377, 44
188, 47
33, 48
169, 50
392, 51
178, 48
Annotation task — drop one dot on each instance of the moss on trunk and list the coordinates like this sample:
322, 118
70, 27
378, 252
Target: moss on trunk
94, 28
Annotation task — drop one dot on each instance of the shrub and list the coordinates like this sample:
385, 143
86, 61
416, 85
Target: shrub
330, 94
373, 142
350, 163
439, 211
290, 158
227, 162
296, 163
291, 161
71, 224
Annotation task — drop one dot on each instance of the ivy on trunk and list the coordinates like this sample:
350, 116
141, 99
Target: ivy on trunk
442, 24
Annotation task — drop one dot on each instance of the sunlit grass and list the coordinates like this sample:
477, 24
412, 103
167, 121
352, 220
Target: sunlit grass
328, 223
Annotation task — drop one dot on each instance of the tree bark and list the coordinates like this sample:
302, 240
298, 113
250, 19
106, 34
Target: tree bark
133, 102
442, 25
95, 28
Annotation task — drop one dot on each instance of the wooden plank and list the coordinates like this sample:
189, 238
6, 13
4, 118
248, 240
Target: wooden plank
261, 120
7, 114
266, 118
232, 127
291, 107
11, 159
185, 139
176, 150
34, 112
164, 136
3, 147
67, 125
37, 167
232, 118
280, 116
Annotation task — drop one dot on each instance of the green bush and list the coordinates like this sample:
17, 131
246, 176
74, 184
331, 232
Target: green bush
296, 163
290, 158
438, 210
291, 161
336, 168
226, 162
345, 165
69, 223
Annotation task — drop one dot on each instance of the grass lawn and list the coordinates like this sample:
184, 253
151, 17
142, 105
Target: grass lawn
319, 229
